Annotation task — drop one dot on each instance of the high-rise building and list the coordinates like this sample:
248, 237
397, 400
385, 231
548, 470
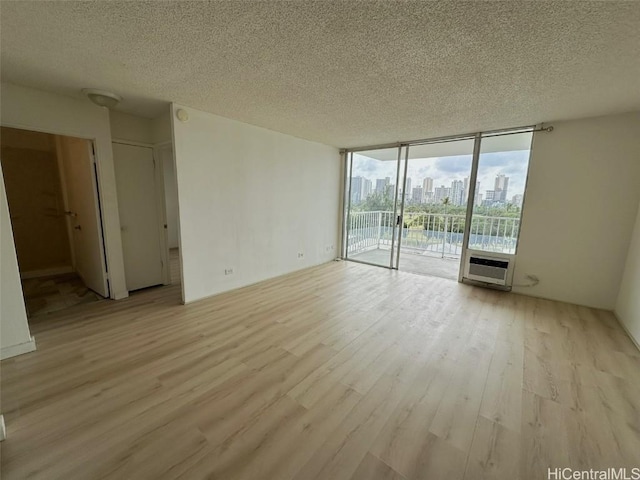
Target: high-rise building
489, 197
360, 189
501, 186
417, 195
356, 190
440, 193
478, 195
517, 199
382, 184
427, 185
390, 190
407, 190
366, 188
457, 192
502, 182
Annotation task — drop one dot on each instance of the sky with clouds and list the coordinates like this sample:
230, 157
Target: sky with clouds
444, 170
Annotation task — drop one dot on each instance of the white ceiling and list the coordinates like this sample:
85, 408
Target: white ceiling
346, 73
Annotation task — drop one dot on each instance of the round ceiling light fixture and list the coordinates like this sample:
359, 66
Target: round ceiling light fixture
102, 98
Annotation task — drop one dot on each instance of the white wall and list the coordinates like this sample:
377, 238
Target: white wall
580, 208
46, 112
139, 129
161, 127
251, 199
130, 127
628, 304
14, 329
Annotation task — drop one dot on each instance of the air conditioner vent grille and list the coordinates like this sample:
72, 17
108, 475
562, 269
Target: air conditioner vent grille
489, 262
488, 269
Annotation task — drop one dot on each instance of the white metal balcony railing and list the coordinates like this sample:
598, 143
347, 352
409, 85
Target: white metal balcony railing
431, 233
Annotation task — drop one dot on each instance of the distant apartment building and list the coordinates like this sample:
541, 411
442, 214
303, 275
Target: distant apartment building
427, 197
478, 195
427, 185
360, 189
366, 188
417, 195
356, 189
382, 185
457, 193
517, 200
501, 186
440, 193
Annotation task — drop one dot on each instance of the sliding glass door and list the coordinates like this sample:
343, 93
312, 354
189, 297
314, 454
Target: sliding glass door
421, 206
434, 204
372, 189
497, 207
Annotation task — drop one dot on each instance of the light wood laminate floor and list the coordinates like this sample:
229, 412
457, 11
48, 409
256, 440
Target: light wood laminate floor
342, 371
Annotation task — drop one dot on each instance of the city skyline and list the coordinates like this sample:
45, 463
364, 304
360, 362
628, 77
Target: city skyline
362, 188
445, 170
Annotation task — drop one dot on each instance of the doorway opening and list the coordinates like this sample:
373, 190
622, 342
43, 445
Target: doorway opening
55, 212
147, 205
165, 158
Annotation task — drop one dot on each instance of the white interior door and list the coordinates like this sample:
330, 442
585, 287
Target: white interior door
83, 210
141, 219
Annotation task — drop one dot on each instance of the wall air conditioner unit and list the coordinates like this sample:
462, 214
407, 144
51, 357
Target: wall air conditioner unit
488, 268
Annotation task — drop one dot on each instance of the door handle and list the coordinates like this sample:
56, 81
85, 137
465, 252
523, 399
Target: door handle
78, 227
398, 220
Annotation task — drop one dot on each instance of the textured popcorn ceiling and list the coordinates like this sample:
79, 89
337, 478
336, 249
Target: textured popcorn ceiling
345, 73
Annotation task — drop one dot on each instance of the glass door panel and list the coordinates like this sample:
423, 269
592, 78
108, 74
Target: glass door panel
371, 203
501, 182
435, 203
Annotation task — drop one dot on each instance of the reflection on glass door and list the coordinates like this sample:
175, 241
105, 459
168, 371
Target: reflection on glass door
435, 203
497, 206
372, 206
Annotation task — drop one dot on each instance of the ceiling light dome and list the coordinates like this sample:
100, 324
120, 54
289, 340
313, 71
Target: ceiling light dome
102, 98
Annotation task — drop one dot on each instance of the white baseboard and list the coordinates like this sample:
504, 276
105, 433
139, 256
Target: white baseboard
624, 327
19, 349
47, 272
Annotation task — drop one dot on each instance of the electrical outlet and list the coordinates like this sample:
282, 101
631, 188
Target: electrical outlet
300, 255
228, 271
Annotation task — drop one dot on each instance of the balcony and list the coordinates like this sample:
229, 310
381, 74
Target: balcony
431, 242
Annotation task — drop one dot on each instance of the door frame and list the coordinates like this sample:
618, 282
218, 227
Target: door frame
348, 173
476, 136
96, 190
160, 201
157, 148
